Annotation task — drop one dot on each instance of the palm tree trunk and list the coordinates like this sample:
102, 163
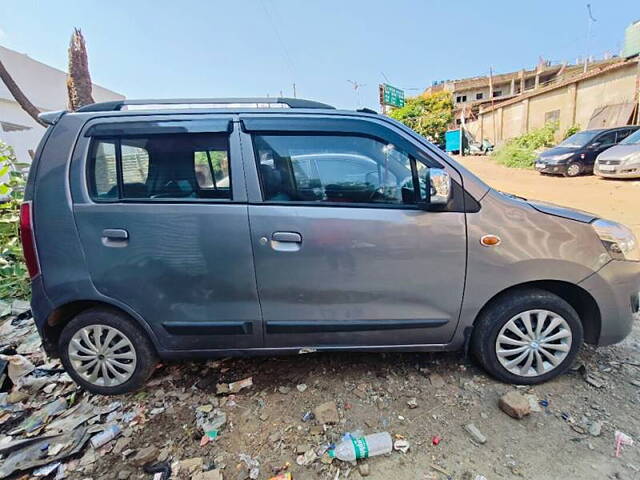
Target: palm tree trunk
20, 97
79, 79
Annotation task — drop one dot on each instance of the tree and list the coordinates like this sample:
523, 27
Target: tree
20, 97
429, 115
79, 79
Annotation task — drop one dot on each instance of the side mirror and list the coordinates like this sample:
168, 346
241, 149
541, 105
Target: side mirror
439, 183
594, 145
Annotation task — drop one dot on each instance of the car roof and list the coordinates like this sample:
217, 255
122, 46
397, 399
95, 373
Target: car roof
600, 130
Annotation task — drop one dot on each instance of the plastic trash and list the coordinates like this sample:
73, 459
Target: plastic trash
19, 366
363, 447
105, 436
622, 439
39, 418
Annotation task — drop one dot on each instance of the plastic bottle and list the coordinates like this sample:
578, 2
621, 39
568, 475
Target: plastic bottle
363, 447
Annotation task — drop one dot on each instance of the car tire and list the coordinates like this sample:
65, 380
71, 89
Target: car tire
538, 355
106, 352
573, 170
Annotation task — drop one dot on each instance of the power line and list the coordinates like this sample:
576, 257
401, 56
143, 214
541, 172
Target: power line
286, 55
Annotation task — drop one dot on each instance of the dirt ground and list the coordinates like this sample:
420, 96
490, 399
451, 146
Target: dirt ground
613, 199
571, 437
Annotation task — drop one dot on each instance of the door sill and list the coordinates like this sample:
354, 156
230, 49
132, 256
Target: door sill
432, 347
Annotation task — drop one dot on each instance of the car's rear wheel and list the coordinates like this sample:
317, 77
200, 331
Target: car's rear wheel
105, 352
527, 336
573, 169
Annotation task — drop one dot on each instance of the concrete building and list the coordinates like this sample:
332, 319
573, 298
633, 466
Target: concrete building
470, 95
605, 96
46, 88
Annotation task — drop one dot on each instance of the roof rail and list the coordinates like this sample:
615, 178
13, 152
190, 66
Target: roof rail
263, 102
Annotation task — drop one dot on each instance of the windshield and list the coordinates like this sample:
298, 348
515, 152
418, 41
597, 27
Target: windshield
579, 139
633, 138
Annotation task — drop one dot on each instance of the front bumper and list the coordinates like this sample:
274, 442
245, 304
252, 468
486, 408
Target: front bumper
617, 171
554, 168
616, 290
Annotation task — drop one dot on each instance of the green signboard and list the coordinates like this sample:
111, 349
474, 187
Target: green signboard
392, 96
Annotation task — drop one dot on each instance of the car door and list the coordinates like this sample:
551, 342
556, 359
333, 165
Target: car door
599, 144
161, 211
343, 255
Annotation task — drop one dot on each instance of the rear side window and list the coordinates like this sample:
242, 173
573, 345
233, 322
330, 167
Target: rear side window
608, 138
160, 167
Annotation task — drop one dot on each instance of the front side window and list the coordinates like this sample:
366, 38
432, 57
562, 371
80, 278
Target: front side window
335, 169
160, 167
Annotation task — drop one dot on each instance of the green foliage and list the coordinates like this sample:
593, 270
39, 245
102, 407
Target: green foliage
14, 278
429, 115
573, 129
520, 152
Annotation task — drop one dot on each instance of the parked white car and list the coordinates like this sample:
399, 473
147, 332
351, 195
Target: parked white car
620, 161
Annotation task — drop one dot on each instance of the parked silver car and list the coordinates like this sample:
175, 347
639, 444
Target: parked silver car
620, 161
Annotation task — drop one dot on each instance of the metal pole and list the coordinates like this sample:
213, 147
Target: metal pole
493, 111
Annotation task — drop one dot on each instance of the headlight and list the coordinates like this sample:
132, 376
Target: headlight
555, 158
631, 158
619, 240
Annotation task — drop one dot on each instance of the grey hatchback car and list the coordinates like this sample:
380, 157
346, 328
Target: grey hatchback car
168, 229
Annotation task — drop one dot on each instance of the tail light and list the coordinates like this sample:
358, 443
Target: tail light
28, 240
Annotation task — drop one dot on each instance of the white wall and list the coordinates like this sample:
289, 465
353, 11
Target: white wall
45, 87
21, 141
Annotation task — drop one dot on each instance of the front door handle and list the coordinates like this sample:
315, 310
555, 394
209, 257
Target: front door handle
287, 237
115, 237
286, 241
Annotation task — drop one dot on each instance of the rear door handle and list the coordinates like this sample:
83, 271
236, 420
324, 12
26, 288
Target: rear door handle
286, 241
115, 237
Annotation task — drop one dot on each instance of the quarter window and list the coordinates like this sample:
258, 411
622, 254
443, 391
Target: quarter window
105, 176
161, 167
334, 169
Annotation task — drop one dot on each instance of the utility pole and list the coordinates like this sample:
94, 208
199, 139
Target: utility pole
294, 90
493, 112
590, 22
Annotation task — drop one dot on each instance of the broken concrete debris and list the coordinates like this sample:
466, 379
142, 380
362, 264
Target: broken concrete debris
515, 405
234, 387
327, 413
198, 413
436, 380
475, 433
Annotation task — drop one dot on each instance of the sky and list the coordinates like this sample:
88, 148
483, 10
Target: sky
241, 48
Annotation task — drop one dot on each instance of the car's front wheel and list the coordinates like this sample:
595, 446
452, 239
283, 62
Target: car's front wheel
527, 336
573, 170
105, 352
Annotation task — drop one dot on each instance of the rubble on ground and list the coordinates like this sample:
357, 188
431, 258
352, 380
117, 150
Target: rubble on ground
279, 418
